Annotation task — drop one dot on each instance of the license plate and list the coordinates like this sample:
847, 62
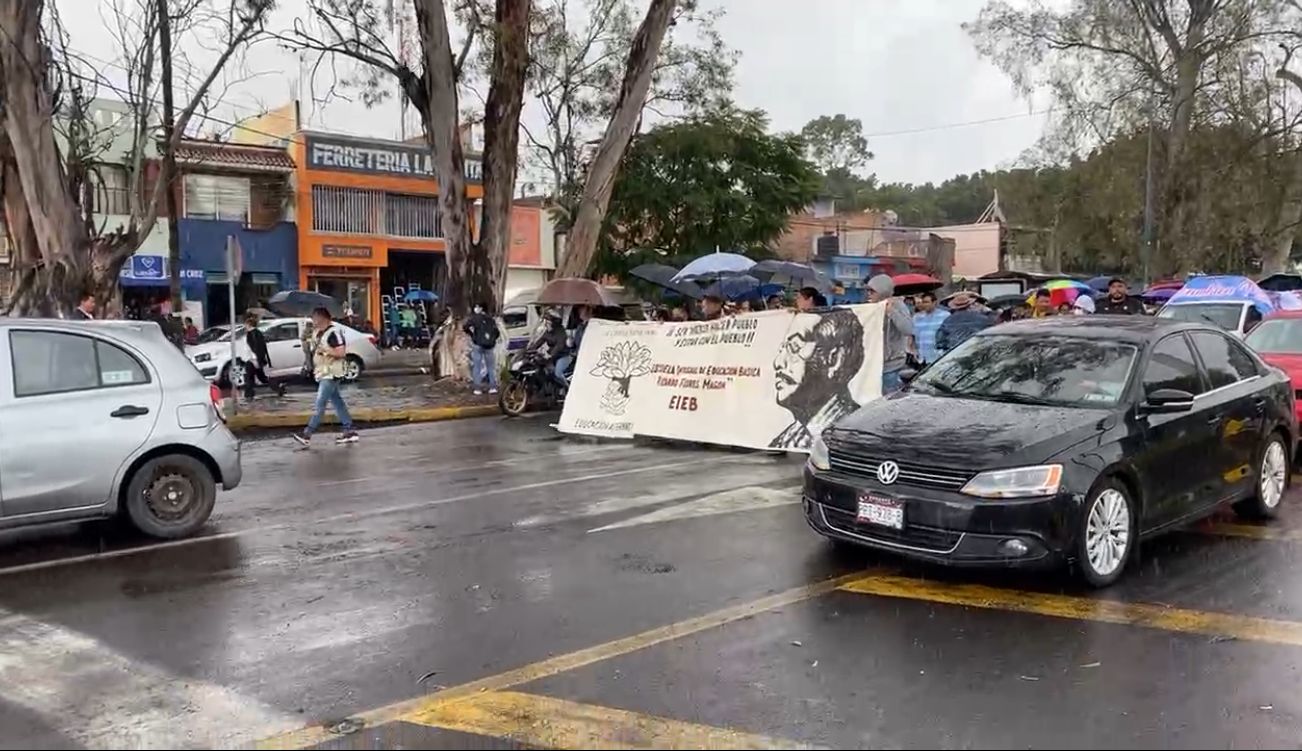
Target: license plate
885, 512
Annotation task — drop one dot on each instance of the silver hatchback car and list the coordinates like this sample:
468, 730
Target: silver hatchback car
107, 418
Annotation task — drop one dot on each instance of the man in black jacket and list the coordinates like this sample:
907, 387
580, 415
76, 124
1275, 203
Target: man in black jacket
256, 369
1119, 301
483, 333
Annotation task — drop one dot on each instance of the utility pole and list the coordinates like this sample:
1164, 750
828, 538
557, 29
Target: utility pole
1146, 248
169, 159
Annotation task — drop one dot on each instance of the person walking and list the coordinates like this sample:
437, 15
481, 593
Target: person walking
898, 334
926, 322
1118, 301
483, 333
255, 369
329, 348
965, 319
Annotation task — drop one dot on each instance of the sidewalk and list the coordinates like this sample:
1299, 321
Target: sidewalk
401, 362
422, 401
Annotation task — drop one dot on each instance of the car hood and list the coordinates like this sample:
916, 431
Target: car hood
216, 350
968, 433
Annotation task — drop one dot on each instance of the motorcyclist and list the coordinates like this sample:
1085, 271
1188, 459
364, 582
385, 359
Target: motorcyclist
553, 339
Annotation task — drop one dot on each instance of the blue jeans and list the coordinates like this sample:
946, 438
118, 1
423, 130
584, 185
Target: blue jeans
563, 364
483, 366
327, 392
891, 382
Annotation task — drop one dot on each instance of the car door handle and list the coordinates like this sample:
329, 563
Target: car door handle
129, 411
298, 346
1259, 403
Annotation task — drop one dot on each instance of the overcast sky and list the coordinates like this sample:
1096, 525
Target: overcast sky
897, 65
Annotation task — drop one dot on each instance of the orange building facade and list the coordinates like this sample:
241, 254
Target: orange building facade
368, 219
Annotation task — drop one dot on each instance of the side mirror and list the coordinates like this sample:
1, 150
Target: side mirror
908, 374
1167, 401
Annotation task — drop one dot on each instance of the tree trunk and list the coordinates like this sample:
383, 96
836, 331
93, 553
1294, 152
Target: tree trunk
169, 158
487, 268
1287, 224
586, 231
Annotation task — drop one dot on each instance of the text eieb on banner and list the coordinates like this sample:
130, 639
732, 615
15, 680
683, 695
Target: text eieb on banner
772, 379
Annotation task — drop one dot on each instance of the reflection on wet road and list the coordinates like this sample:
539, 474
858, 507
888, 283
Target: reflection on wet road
487, 584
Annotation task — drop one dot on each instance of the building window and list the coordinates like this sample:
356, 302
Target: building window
411, 215
347, 210
109, 186
223, 197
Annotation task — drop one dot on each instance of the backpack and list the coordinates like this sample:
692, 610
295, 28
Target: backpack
485, 332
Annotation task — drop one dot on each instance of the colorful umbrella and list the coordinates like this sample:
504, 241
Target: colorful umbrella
1062, 291
913, 284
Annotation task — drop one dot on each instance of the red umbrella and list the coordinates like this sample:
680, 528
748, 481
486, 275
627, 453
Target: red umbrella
912, 284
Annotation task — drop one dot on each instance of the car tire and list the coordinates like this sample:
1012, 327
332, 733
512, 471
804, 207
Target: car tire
1107, 521
187, 491
353, 367
1272, 479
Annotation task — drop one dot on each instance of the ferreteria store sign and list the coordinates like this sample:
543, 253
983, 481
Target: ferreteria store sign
378, 158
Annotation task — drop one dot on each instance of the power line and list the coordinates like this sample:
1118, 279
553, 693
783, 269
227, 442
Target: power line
951, 126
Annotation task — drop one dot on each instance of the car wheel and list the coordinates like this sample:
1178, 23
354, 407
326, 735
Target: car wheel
171, 496
1107, 534
353, 367
1272, 480
235, 376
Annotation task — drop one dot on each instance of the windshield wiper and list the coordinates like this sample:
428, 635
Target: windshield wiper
1018, 397
937, 388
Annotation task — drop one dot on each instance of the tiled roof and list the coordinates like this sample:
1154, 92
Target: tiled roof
234, 156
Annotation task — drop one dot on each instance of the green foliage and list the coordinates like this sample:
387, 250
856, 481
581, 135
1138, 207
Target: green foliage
836, 144
718, 179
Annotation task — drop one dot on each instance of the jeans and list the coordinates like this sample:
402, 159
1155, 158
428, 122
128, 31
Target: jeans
562, 366
327, 392
891, 382
483, 366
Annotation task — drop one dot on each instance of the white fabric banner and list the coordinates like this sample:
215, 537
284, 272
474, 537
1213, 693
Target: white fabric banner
772, 379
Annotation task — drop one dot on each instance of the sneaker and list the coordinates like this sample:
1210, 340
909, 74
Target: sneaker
349, 437
479, 392
492, 391
304, 439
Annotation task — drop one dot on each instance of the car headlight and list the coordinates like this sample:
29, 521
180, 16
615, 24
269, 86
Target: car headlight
1022, 482
818, 456
203, 357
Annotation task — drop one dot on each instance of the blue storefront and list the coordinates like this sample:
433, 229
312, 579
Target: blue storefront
145, 280
270, 263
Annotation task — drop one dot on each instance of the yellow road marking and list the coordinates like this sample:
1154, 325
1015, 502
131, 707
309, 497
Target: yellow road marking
555, 723
1246, 628
1250, 531
311, 736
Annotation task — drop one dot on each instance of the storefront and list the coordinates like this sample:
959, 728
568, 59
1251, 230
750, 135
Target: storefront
270, 263
369, 229
146, 282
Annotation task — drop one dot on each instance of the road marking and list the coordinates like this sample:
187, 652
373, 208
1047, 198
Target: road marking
1249, 531
749, 498
1181, 620
311, 736
446, 469
346, 516
546, 722
99, 698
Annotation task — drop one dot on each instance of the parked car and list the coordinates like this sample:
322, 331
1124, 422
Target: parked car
1278, 340
1236, 317
284, 346
1058, 440
105, 418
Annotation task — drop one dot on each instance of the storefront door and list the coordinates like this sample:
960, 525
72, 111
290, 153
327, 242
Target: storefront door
355, 294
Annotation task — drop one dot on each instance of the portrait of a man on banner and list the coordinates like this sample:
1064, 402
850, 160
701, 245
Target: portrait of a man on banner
812, 373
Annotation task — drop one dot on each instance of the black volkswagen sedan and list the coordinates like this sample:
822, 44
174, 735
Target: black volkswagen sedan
1058, 441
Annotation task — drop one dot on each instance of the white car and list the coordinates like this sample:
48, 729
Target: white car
284, 347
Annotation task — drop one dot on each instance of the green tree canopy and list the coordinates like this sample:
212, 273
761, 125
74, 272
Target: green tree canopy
836, 144
719, 179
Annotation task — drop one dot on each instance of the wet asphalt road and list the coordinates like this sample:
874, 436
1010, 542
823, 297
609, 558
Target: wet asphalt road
489, 584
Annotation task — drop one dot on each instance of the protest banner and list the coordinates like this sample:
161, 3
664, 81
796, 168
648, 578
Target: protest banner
772, 379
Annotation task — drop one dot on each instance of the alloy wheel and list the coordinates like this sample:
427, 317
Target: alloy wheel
1107, 532
1274, 474
352, 370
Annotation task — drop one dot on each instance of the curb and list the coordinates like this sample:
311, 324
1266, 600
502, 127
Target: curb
364, 415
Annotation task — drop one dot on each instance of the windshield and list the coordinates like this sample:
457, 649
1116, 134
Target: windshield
1224, 315
1277, 335
214, 334
1052, 370
514, 318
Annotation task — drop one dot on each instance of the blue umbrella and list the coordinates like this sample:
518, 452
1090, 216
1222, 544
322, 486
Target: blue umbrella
1099, 283
734, 287
421, 295
791, 274
714, 266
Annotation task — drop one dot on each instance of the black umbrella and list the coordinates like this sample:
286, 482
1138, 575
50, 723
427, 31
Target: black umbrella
791, 274
663, 276
294, 303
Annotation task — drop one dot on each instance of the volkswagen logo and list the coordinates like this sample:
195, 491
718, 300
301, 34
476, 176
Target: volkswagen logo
888, 473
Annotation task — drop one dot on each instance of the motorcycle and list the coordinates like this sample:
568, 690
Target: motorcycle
529, 384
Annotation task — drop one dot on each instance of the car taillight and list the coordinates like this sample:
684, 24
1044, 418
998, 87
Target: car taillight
373, 340
215, 396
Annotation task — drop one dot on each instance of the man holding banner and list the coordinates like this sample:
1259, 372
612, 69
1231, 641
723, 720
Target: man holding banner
898, 333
